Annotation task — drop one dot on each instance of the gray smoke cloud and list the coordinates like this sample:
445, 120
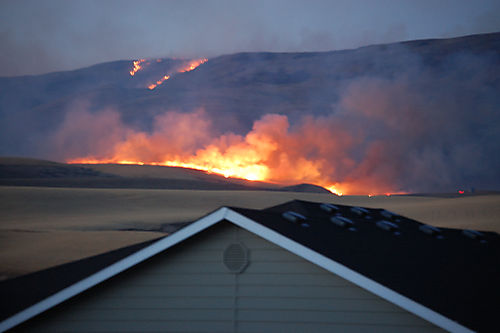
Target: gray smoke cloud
424, 133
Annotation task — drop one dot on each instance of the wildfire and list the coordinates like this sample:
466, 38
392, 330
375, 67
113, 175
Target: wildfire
160, 81
334, 189
105, 161
226, 168
137, 66
270, 152
184, 68
192, 65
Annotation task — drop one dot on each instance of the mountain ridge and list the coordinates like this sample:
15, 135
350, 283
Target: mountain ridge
452, 76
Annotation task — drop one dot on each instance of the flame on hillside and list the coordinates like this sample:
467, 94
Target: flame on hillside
192, 65
233, 166
272, 151
160, 81
137, 66
185, 67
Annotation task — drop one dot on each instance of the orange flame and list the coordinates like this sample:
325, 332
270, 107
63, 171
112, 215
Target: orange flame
137, 66
192, 65
229, 167
160, 81
255, 157
271, 152
185, 68
334, 189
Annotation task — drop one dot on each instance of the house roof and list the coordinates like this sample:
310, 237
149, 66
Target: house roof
443, 276
449, 273
23, 291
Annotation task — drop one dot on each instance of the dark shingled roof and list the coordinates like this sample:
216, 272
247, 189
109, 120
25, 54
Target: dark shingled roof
454, 275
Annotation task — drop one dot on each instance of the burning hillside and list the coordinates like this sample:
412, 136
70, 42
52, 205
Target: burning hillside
137, 66
408, 117
186, 66
269, 152
376, 140
318, 150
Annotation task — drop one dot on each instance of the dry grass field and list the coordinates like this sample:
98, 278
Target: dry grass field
42, 227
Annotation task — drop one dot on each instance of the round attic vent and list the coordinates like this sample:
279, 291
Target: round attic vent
235, 257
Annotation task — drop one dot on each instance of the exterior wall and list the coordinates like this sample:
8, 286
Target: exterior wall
188, 289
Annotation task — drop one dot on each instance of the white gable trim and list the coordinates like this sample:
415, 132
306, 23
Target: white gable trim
251, 226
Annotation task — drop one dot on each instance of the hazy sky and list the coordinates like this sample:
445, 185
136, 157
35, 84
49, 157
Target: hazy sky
43, 36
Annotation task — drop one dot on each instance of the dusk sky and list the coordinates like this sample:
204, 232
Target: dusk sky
44, 36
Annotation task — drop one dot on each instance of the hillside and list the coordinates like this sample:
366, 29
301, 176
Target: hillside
33, 172
427, 106
241, 86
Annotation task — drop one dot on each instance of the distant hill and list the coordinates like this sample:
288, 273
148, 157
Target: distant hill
236, 88
435, 106
32, 172
305, 188
30, 168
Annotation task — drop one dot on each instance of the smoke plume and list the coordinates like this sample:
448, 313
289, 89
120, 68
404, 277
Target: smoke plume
405, 134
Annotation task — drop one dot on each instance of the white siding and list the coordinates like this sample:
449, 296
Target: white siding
188, 289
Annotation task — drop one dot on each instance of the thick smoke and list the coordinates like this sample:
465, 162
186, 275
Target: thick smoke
431, 131
419, 137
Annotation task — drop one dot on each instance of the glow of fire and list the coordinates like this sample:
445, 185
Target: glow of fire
257, 156
160, 81
229, 168
334, 189
248, 172
185, 68
137, 66
270, 152
192, 65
